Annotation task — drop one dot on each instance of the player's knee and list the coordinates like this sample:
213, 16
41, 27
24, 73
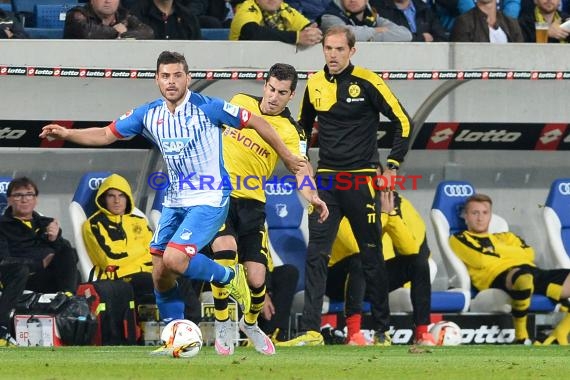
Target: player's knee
523, 281
173, 262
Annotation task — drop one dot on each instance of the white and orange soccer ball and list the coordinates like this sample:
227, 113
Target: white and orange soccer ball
446, 333
182, 338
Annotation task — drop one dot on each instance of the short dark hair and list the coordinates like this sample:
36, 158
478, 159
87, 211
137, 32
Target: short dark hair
168, 57
18, 182
477, 197
284, 71
341, 29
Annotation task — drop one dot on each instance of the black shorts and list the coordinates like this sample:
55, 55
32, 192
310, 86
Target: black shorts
542, 278
246, 223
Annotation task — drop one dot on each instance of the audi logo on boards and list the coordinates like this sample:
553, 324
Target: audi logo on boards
94, 183
458, 190
564, 188
279, 188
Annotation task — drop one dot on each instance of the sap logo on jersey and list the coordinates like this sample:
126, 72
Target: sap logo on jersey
174, 147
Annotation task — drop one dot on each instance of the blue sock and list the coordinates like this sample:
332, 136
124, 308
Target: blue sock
203, 268
170, 304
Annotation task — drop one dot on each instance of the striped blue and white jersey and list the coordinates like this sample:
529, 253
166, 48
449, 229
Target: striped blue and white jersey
190, 140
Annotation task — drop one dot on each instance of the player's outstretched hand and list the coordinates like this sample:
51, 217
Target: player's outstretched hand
321, 207
295, 163
54, 132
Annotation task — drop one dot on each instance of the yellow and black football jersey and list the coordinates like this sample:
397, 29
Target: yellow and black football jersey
250, 160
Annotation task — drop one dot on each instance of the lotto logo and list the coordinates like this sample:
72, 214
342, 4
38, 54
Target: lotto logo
458, 190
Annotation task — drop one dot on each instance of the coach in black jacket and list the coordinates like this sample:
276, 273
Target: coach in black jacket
31, 239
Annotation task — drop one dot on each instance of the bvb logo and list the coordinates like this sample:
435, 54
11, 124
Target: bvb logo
354, 90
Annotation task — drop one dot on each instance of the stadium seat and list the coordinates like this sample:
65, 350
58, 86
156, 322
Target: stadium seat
220, 34
287, 223
4, 181
556, 216
51, 15
25, 9
6, 7
83, 206
446, 219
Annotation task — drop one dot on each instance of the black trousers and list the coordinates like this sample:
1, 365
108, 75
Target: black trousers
345, 282
60, 275
282, 288
359, 203
13, 278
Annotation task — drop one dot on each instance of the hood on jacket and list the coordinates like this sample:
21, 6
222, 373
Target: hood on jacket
369, 13
114, 181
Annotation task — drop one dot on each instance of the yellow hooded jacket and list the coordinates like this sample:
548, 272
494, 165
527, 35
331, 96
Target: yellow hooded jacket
117, 240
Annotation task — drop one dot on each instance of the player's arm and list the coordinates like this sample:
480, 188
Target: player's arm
391, 107
97, 136
307, 115
267, 133
401, 234
464, 248
518, 243
308, 189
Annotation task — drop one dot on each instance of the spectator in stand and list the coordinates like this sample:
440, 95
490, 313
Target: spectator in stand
448, 10
169, 19
273, 20
364, 22
545, 11
415, 15
10, 27
213, 14
311, 9
35, 240
485, 23
504, 261
104, 20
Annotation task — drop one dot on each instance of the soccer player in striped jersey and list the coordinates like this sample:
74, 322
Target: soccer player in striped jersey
187, 128
244, 231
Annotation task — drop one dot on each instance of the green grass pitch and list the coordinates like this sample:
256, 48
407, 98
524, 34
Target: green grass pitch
295, 363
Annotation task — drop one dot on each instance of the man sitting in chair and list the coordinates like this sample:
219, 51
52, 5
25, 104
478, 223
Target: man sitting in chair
504, 261
406, 254
117, 241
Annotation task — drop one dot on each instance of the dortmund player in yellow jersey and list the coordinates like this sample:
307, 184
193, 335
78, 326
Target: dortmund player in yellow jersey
504, 261
249, 160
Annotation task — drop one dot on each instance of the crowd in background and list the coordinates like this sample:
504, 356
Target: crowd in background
302, 22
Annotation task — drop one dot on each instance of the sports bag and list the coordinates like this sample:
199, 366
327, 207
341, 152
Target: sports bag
112, 302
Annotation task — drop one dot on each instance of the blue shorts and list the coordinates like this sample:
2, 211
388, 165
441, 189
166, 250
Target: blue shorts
187, 229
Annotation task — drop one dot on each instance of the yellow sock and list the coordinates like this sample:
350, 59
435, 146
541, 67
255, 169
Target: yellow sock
221, 294
520, 328
560, 333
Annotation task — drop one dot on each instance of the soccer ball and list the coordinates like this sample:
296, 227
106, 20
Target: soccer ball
183, 338
446, 333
